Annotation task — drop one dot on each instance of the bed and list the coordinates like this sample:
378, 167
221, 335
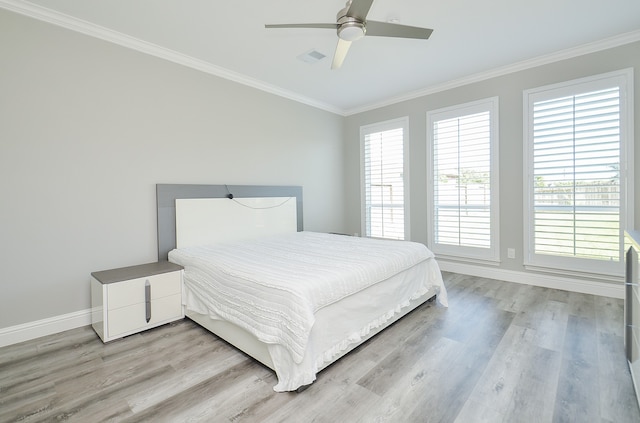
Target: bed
294, 300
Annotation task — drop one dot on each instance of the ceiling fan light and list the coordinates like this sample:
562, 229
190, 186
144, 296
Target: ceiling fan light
351, 31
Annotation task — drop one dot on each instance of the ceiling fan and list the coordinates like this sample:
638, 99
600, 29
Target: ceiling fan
352, 24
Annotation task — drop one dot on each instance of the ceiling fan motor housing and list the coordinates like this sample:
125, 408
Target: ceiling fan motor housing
350, 29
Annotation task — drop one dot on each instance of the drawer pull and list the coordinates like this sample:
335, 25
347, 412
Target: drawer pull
147, 300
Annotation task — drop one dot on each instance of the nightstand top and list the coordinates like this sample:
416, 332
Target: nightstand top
134, 272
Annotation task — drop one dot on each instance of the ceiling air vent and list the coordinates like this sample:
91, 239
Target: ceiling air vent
311, 56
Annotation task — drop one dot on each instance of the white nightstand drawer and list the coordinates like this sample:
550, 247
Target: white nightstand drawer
131, 319
131, 292
124, 299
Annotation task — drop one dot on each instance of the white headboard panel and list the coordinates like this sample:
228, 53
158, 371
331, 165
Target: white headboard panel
201, 221
167, 194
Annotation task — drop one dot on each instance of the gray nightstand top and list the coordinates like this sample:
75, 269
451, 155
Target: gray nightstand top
134, 272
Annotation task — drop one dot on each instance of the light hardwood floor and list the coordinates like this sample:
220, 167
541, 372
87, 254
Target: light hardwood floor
501, 352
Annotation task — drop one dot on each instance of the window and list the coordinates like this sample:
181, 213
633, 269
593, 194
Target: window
463, 180
577, 174
384, 179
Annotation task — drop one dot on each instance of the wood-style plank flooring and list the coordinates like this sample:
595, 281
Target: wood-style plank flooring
501, 352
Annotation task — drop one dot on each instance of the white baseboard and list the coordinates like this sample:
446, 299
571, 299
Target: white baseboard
56, 324
32, 330
603, 289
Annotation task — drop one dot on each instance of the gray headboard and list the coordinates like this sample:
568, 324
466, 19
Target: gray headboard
166, 195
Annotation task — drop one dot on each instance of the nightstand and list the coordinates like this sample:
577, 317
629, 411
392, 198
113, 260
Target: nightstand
128, 300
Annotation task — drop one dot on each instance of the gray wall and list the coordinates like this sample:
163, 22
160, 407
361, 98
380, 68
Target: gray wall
87, 129
509, 88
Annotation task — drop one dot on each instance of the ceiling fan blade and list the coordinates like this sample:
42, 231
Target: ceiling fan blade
359, 9
310, 25
341, 52
386, 29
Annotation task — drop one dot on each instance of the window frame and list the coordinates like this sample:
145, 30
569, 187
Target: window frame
576, 265
489, 255
387, 125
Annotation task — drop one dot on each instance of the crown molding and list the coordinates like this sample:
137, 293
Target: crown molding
607, 43
87, 28
78, 25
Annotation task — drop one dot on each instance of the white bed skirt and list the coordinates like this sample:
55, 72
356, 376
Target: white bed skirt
338, 328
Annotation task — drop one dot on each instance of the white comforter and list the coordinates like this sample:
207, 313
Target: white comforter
272, 287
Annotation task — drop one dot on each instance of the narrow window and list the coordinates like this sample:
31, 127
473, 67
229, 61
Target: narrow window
462, 182
384, 182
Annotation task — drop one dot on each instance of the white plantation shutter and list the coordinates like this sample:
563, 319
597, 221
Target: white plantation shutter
462, 188
384, 180
576, 159
576, 182
463, 180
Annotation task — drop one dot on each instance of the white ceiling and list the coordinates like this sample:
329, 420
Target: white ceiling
471, 38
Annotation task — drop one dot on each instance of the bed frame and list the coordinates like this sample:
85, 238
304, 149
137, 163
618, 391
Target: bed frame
235, 212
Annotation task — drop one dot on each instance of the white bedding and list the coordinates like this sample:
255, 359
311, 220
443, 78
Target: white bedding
274, 287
